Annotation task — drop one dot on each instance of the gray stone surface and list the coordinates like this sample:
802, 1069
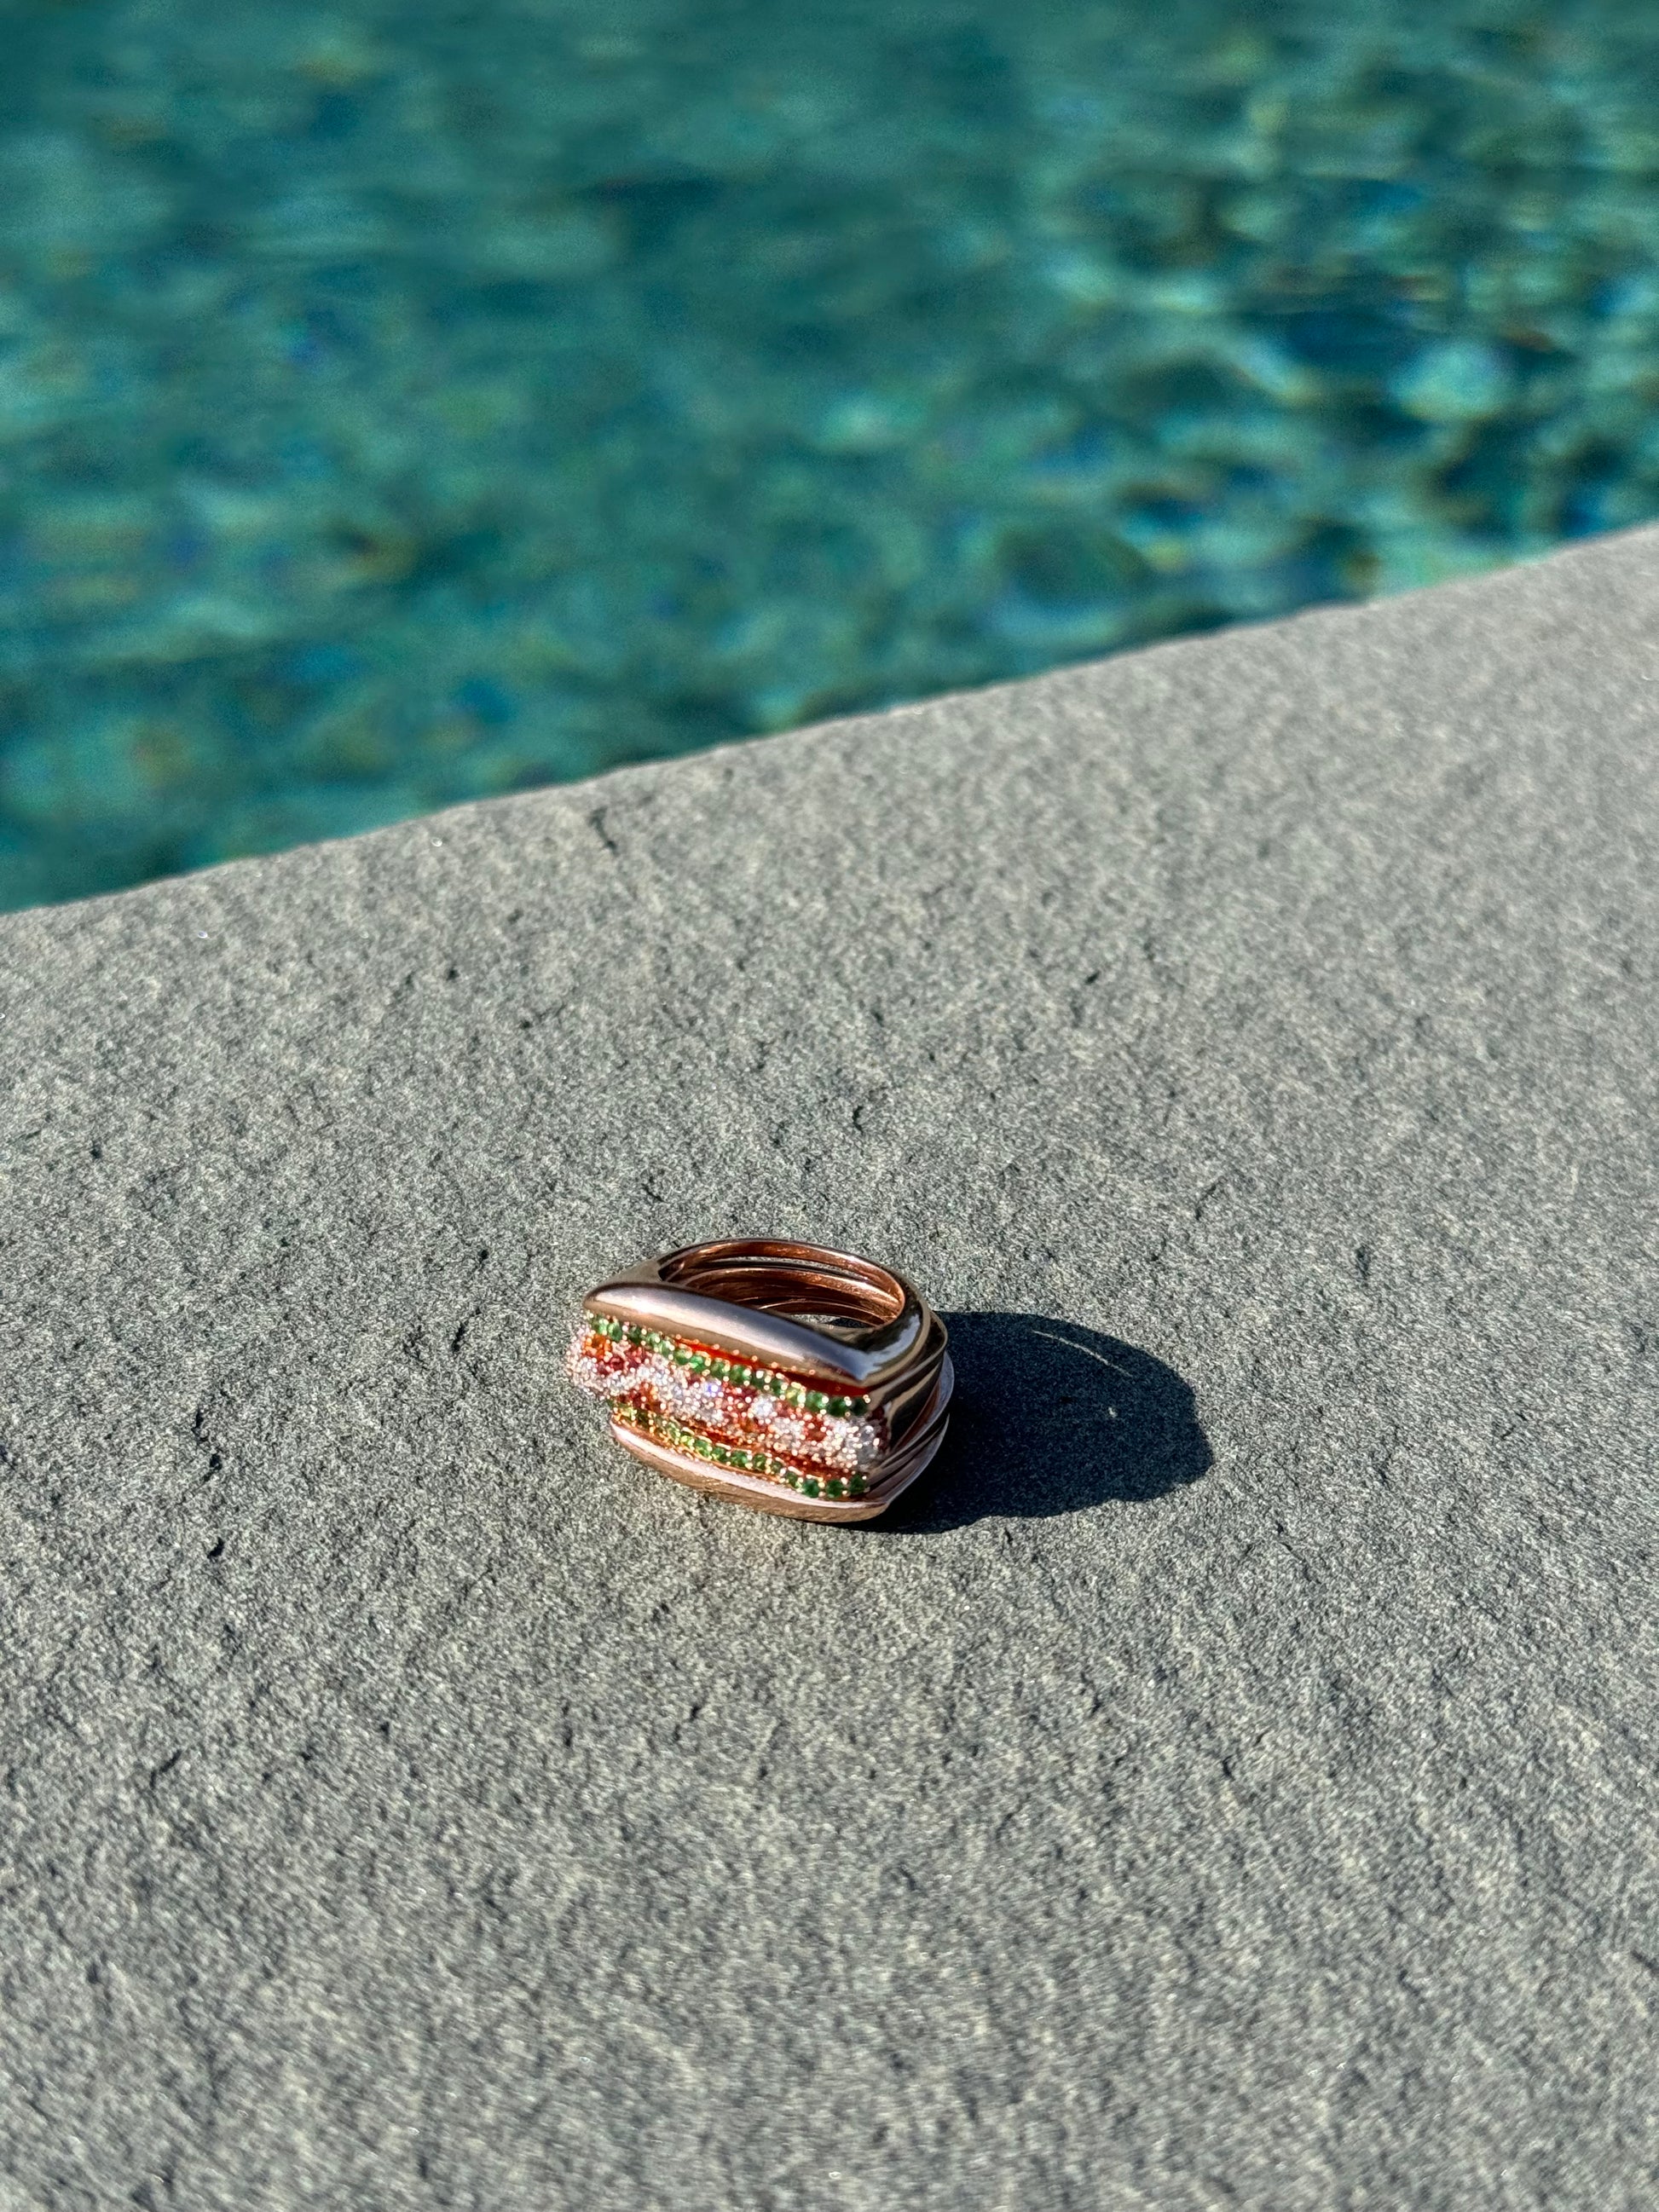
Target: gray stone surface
1231, 1782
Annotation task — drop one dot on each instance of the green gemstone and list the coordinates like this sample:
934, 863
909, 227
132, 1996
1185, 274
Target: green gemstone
840, 1406
816, 1402
858, 1486
835, 1488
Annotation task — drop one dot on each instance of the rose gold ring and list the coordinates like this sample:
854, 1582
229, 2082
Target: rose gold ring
779, 1376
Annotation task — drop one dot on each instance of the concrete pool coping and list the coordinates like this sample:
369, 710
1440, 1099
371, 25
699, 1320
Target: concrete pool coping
1227, 1780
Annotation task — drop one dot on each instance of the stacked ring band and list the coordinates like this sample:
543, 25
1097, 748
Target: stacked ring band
779, 1376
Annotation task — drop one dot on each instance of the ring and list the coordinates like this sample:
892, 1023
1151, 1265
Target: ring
779, 1376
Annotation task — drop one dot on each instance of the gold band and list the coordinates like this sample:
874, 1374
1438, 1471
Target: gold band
784, 1377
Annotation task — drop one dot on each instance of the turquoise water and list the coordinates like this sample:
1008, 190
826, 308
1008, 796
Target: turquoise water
405, 404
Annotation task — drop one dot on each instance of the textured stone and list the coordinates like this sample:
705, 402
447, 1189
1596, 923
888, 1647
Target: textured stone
1228, 1781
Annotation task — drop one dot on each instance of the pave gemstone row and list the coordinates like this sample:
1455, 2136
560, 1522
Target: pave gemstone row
759, 1420
698, 1360
681, 1438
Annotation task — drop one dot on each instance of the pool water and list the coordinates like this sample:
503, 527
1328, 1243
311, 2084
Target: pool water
404, 403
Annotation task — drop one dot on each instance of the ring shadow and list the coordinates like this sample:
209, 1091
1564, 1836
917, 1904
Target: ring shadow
1051, 1418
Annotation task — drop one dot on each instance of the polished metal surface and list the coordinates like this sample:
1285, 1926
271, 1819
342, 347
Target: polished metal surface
831, 1316
793, 1305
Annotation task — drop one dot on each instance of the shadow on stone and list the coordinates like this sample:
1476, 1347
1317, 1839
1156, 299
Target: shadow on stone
1052, 1418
